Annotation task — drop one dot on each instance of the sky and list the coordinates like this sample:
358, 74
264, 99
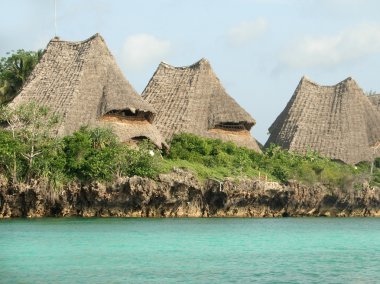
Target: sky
259, 49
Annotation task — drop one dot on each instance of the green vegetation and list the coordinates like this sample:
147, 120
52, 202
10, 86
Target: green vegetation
214, 158
29, 151
95, 155
28, 138
14, 70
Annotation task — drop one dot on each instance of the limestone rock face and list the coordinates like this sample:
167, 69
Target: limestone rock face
179, 194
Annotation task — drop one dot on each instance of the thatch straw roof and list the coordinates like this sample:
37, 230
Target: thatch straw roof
337, 121
82, 83
192, 100
375, 100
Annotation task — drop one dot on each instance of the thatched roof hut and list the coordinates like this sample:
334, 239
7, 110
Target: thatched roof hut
82, 83
192, 100
337, 121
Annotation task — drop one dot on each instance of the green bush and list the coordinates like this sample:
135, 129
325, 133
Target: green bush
225, 158
377, 163
95, 154
143, 161
91, 154
50, 164
189, 147
12, 164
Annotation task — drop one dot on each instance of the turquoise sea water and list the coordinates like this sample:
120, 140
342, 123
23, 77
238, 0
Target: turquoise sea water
300, 250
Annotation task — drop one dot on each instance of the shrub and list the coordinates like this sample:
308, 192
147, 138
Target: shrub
12, 163
280, 172
189, 147
143, 161
50, 164
91, 154
226, 158
95, 155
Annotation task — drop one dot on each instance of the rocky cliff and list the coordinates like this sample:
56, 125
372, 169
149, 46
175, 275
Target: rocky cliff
179, 194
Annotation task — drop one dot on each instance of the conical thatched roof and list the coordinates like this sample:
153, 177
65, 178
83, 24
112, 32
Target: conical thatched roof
82, 83
337, 121
191, 99
375, 100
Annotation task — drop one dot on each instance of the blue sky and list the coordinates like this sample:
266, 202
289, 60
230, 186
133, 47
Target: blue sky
259, 49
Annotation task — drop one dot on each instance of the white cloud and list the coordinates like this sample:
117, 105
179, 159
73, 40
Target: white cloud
141, 50
246, 32
347, 45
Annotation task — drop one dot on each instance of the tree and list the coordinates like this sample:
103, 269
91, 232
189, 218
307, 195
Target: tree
32, 126
10, 149
14, 71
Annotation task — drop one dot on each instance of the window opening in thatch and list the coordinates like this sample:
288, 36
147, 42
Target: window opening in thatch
128, 114
230, 126
139, 138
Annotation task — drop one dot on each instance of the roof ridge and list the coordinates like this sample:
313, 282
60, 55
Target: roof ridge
95, 36
194, 65
308, 80
345, 81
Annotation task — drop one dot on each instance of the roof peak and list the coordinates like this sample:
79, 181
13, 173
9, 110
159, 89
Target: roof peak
345, 81
202, 61
93, 37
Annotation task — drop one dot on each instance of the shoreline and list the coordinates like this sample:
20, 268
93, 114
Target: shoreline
180, 195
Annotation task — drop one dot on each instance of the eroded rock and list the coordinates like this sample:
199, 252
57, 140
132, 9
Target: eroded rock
180, 194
